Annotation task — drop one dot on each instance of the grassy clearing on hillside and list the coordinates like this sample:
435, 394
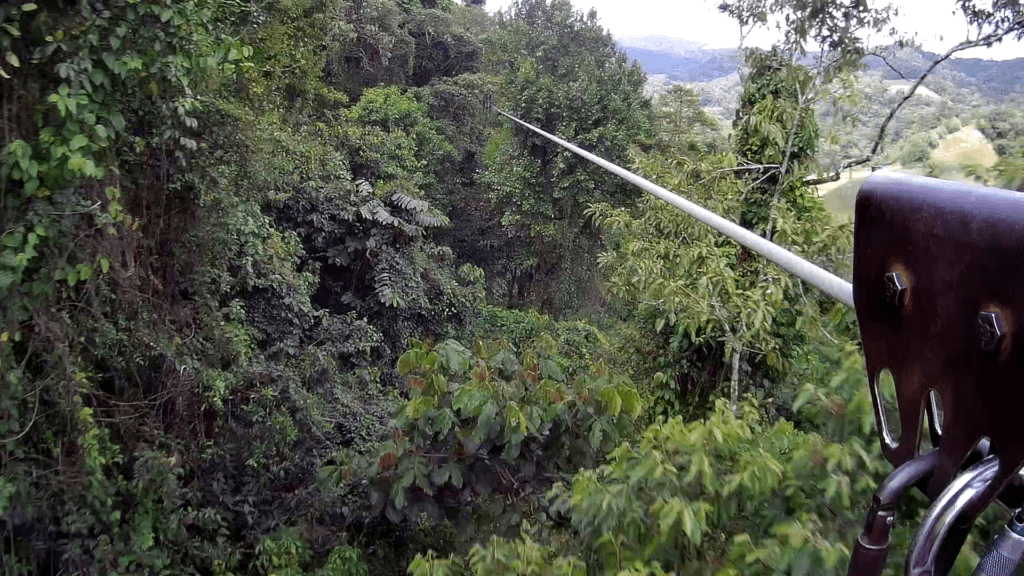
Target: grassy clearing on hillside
963, 147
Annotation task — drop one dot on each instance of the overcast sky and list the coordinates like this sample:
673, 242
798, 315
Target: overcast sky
934, 21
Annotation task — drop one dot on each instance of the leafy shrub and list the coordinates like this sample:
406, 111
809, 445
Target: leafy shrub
485, 433
286, 553
579, 342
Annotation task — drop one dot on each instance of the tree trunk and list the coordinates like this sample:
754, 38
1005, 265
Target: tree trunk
734, 384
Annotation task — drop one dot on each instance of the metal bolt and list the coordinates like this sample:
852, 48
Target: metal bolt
991, 329
896, 288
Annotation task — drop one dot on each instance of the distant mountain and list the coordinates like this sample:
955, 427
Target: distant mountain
661, 43
685, 61
698, 66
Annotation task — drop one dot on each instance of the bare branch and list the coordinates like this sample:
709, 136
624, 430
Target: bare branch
35, 414
984, 40
889, 64
834, 176
746, 167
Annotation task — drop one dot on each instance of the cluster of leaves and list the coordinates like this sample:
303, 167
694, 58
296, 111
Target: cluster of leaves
683, 126
560, 71
581, 344
486, 433
736, 493
405, 42
701, 298
286, 553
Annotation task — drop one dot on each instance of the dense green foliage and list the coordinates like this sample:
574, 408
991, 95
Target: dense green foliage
212, 258
734, 493
483, 434
561, 72
281, 296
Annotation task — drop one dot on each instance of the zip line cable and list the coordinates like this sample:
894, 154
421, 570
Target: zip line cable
823, 280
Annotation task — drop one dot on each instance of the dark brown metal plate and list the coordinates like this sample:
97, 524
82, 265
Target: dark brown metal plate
960, 248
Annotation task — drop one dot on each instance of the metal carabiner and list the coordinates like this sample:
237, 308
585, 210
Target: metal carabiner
964, 490
872, 546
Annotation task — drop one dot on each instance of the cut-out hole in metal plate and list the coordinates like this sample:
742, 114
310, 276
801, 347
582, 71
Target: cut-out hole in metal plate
928, 440
935, 413
885, 389
981, 449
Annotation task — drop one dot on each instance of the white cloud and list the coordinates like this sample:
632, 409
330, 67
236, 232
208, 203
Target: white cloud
937, 23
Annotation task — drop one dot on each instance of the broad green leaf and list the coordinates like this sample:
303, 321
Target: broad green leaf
76, 164
549, 369
10, 259
407, 362
117, 120
464, 400
28, 7
12, 58
690, 527
78, 141
615, 403
803, 397
631, 401
440, 475
596, 432
487, 416
423, 481
455, 356
443, 421
455, 473
13, 239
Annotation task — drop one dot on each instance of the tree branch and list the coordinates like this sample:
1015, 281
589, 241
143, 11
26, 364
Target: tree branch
985, 40
887, 63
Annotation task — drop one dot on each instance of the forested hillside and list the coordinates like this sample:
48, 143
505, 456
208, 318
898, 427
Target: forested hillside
681, 61
282, 295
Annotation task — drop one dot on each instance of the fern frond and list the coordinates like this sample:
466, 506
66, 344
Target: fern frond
364, 186
431, 218
409, 203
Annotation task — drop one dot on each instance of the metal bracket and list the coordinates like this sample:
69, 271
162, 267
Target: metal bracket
938, 284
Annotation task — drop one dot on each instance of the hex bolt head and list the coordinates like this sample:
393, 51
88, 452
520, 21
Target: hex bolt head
896, 286
990, 328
